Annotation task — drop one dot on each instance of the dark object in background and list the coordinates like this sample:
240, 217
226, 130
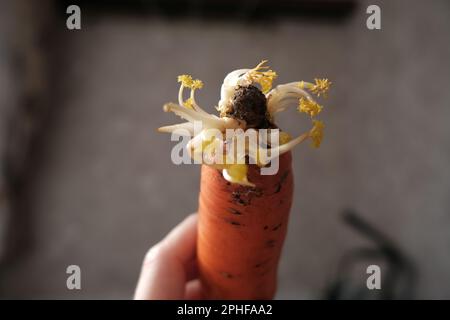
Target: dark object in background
398, 276
30, 57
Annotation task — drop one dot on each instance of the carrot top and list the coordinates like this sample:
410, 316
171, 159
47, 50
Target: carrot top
244, 107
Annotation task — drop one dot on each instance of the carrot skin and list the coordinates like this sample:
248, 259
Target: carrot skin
241, 231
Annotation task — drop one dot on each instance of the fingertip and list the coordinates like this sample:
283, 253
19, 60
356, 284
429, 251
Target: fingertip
181, 241
194, 290
162, 277
170, 263
192, 217
155, 253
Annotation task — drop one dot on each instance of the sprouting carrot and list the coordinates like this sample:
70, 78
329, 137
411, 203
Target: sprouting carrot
243, 214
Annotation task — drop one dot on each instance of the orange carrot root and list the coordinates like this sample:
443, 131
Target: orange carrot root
242, 230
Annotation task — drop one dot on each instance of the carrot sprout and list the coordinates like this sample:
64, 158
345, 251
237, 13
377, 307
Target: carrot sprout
212, 150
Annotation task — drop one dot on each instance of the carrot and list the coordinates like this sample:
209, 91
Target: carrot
241, 232
243, 214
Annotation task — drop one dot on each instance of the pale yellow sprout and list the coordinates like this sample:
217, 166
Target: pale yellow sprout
263, 75
321, 87
186, 80
280, 149
284, 137
212, 150
316, 133
302, 84
189, 103
182, 129
203, 147
237, 173
285, 95
207, 120
309, 107
196, 84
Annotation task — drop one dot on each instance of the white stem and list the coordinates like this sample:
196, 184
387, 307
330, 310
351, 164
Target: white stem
229, 178
291, 144
196, 106
279, 98
229, 83
180, 95
208, 121
232, 79
186, 127
279, 150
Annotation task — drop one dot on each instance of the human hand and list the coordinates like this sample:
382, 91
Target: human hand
169, 270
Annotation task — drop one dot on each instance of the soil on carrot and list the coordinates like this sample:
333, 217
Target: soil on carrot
233, 222
270, 243
282, 180
227, 275
278, 226
234, 211
250, 104
243, 195
262, 263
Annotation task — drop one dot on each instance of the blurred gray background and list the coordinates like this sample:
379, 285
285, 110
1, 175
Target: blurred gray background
86, 179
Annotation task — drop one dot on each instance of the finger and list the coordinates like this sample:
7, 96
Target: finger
164, 274
191, 270
181, 241
194, 290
